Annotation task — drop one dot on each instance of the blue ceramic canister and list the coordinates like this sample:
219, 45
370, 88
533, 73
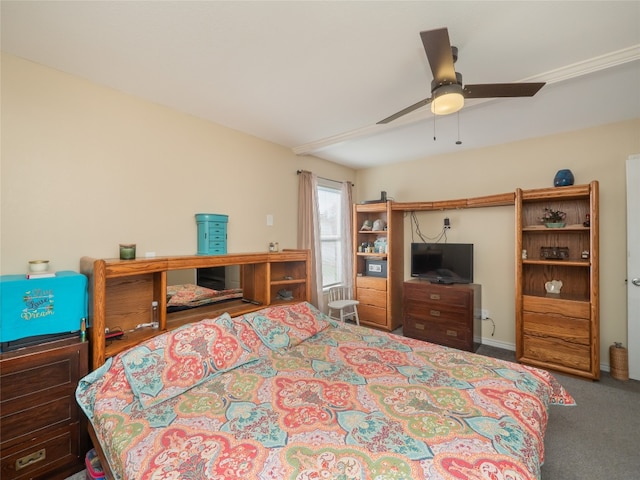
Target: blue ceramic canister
563, 178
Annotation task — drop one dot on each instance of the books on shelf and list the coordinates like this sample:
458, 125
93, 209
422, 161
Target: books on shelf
32, 275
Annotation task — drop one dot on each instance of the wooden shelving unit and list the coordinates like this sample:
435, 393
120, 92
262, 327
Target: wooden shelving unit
121, 292
558, 331
380, 296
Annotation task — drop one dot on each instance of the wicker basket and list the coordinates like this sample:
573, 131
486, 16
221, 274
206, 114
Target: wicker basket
619, 361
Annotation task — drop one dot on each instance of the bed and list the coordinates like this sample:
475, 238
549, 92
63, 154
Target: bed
287, 393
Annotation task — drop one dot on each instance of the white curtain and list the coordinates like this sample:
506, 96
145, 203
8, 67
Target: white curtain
347, 234
309, 231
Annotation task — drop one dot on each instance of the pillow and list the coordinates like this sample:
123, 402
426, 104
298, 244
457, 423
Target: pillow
285, 326
188, 294
243, 330
172, 363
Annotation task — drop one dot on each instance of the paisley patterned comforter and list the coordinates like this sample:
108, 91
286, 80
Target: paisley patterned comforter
286, 393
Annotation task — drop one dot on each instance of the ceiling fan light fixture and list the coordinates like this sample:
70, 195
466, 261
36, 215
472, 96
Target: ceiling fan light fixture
447, 99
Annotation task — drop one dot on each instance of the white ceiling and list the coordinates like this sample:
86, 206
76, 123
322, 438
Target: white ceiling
317, 76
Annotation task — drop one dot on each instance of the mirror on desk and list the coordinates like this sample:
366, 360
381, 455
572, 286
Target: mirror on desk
215, 278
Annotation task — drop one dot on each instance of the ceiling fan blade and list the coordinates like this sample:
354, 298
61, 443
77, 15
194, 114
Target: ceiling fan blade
493, 90
404, 111
438, 49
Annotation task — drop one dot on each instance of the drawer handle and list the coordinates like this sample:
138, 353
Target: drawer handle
452, 333
31, 459
435, 313
419, 326
434, 296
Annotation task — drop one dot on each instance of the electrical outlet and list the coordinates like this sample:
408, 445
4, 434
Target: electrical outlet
447, 223
484, 314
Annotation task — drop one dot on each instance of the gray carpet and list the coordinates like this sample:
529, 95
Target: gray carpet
598, 439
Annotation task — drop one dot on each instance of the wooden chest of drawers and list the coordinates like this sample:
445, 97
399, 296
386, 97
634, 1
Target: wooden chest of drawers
43, 432
444, 314
212, 233
372, 295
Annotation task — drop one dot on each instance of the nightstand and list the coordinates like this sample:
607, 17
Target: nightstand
43, 432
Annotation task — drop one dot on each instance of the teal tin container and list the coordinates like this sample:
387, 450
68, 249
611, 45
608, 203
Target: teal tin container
40, 309
212, 233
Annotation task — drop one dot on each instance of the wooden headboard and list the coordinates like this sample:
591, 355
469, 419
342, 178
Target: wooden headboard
121, 293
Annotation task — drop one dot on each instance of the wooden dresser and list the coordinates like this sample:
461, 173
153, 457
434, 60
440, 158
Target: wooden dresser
445, 314
43, 432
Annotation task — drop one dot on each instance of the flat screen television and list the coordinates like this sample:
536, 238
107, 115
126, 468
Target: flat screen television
442, 262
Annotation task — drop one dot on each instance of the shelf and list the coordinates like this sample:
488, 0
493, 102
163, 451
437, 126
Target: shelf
501, 199
544, 229
370, 232
556, 296
282, 302
291, 281
129, 339
559, 263
375, 255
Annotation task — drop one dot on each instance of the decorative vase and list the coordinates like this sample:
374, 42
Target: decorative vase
554, 286
563, 178
554, 224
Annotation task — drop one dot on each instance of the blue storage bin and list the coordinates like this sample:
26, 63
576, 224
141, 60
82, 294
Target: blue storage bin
38, 309
94, 468
212, 233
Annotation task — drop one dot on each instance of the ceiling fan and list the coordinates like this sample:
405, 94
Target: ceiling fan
447, 91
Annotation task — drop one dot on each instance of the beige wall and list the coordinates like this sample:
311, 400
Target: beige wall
592, 154
85, 168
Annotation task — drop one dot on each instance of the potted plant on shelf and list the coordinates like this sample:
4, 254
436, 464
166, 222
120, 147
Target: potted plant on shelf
553, 218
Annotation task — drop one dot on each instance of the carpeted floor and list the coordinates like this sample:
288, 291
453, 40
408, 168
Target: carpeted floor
597, 439
78, 476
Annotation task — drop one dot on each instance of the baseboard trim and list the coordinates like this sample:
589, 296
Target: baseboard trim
498, 344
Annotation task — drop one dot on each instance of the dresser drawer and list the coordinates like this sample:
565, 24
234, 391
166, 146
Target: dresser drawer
439, 330
556, 306
437, 312
374, 315
30, 419
35, 374
570, 330
438, 294
42, 454
217, 247
556, 351
375, 298
373, 283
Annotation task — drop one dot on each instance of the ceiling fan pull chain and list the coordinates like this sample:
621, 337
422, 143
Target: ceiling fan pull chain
434, 128
458, 142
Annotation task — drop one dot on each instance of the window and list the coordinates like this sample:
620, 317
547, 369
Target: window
331, 235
